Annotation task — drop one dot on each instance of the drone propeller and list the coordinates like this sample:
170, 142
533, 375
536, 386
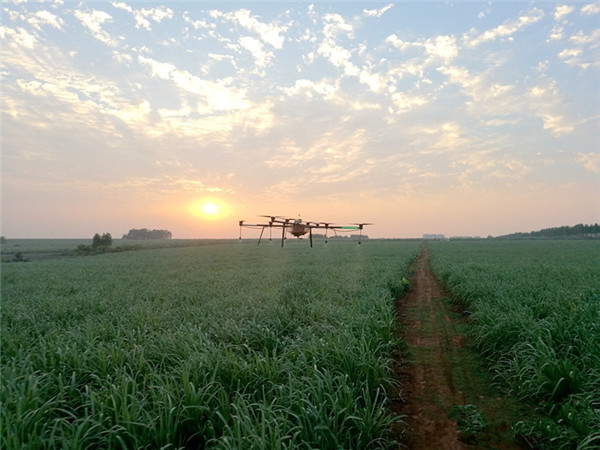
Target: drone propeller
361, 225
326, 224
279, 219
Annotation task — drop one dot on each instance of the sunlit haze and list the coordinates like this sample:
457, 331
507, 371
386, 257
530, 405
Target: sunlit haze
455, 118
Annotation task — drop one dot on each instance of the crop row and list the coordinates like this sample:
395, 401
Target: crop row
535, 315
228, 346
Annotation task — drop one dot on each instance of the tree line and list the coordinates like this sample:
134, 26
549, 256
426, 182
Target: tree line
576, 231
145, 233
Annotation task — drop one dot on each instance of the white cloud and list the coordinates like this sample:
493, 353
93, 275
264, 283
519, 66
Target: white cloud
589, 161
334, 157
45, 18
518, 168
20, 37
143, 15
200, 186
37, 88
93, 21
592, 39
562, 11
398, 43
338, 56
507, 29
199, 24
377, 12
590, 9
435, 48
450, 136
271, 34
306, 87
556, 124
256, 49
215, 96
405, 103
221, 105
122, 57
556, 34
545, 102
335, 25
443, 47
376, 82
123, 6
569, 53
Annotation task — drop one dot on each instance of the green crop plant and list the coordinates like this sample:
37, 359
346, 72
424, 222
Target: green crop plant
469, 420
535, 310
215, 346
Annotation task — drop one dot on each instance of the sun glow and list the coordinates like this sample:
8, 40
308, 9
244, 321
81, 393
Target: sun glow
210, 209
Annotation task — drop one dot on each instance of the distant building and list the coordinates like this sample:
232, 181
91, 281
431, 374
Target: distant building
434, 237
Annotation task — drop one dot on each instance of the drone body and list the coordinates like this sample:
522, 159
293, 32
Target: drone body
297, 228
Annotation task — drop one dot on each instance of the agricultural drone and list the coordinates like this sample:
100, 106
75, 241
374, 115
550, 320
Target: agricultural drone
298, 228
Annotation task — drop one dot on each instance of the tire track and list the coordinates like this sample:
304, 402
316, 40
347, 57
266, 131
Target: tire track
437, 371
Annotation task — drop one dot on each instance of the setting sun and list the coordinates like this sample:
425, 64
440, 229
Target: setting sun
210, 209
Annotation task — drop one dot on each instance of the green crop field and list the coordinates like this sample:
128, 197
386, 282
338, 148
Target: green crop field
220, 346
535, 315
233, 345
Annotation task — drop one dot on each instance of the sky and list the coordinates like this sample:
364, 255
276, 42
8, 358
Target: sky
459, 118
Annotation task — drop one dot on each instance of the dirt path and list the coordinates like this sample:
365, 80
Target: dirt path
439, 372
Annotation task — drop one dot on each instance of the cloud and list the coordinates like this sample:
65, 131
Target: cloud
213, 96
93, 20
590, 9
449, 136
443, 47
256, 49
562, 11
377, 12
201, 186
19, 37
325, 88
269, 33
428, 52
398, 43
405, 103
45, 18
141, 16
556, 34
334, 25
199, 24
584, 55
338, 56
589, 161
545, 102
376, 82
569, 53
518, 168
440, 47
507, 29
43, 89
592, 39
487, 97
331, 158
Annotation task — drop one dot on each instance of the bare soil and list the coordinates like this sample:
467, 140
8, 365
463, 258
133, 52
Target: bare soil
437, 371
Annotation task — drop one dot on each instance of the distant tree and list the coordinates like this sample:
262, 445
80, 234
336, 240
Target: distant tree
145, 233
101, 242
2, 240
579, 231
19, 257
